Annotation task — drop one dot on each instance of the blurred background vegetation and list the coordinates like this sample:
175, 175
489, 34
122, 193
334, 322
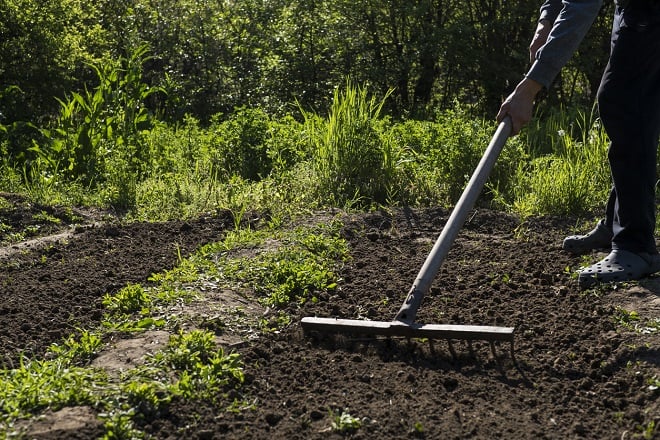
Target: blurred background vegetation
166, 108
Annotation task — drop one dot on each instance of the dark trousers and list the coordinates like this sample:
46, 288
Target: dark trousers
629, 106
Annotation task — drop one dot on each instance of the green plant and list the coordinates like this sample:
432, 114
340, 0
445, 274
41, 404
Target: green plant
39, 384
147, 398
78, 349
648, 431
344, 422
574, 179
349, 154
418, 429
98, 138
295, 266
274, 323
119, 425
45, 217
654, 383
130, 299
202, 369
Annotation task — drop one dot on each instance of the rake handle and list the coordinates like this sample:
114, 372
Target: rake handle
429, 270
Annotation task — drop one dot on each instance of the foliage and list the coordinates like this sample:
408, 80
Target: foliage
172, 108
350, 156
239, 146
44, 48
190, 367
353, 158
295, 267
129, 299
572, 180
62, 379
203, 370
212, 57
98, 137
345, 422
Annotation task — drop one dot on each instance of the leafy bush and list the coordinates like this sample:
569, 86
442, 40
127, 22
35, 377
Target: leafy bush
44, 49
239, 145
437, 158
294, 269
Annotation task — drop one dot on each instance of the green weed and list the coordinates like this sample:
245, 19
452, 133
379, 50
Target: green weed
345, 422
293, 267
418, 429
39, 384
5, 204
130, 299
78, 349
98, 139
43, 216
648, 431
631, 320
203, 370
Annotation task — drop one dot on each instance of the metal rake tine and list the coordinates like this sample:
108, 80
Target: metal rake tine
451, 349
431, 347
513, 356
471, 349
492, 349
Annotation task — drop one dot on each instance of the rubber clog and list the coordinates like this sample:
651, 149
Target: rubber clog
599, 238
619, 265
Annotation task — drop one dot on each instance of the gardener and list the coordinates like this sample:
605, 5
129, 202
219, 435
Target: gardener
629, 106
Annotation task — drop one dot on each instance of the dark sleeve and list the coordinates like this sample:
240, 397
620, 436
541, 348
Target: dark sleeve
550, 10
568, 29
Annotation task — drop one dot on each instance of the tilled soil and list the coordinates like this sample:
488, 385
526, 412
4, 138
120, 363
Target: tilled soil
577, 372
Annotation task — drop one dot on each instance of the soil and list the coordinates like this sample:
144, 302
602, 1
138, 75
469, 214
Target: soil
577, 372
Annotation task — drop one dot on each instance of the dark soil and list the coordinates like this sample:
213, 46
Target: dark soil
578, 373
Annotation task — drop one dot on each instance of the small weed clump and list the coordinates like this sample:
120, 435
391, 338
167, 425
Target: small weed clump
345, 422
288, 267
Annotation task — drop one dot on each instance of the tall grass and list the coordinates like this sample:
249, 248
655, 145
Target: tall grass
438, 157
573, 179
351, 157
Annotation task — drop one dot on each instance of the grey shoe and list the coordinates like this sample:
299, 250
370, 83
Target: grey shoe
619, 265
599, 238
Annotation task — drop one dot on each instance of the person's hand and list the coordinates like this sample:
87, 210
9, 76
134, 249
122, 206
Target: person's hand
540, 37
519, 105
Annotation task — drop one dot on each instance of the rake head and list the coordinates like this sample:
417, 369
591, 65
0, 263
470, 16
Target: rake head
411, 330
414, 330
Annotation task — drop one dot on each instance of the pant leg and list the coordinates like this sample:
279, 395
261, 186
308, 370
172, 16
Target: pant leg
629, 106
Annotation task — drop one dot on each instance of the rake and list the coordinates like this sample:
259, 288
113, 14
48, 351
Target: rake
404, 323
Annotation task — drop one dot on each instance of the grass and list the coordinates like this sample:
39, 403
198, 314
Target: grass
351, 157
289, 266
571, 180
631, 320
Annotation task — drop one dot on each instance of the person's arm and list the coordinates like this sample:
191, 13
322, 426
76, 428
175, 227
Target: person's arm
568, 30
549, 12
543, 29
519, 105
